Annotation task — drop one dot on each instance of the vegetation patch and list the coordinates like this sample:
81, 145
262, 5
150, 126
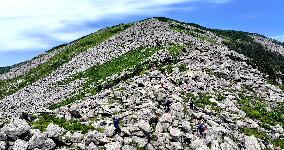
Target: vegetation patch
278, 142
256, 133
202, 100
129, 61
263, 136
175, 50
71, 125
99, 73
193, 32
271, 63
5, 69
255, 108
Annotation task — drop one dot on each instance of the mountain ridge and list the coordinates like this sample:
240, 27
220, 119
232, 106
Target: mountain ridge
232, 78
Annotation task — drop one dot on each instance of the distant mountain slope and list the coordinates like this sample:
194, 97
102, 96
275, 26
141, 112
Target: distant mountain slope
161, 78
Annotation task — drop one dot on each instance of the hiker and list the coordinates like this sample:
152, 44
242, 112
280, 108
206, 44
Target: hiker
116, 125
153, 121
191, 105
167, 105
201, 129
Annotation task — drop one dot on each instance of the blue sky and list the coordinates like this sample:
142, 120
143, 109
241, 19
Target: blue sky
30, 27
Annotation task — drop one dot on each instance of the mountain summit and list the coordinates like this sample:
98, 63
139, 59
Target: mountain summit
153, 84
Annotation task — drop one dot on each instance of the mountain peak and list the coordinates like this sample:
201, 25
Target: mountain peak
154, 84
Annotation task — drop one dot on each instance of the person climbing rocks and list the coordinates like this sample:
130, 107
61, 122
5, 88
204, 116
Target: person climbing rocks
167, 105
191, 105
116, 125
201, 128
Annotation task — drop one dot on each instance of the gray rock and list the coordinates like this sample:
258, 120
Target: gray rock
109, 131
176, 145
20, 145
144, 125
53, 130
186, 126
3, 145
128, 147
15, 128
229, 144
198, 143
77, 137
92, 146
113, 146
37, 140
251, 143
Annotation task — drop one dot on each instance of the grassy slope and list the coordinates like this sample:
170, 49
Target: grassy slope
131, 61
101, 72
66, 55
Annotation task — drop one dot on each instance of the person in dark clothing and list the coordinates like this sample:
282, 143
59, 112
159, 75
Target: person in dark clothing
153, 121
191, 105
167, 105
116, 125
201, 128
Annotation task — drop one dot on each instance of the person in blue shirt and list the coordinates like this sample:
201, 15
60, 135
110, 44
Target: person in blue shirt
116, 125
201, 129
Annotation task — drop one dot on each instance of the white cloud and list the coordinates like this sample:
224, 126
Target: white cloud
36, 24
279, 38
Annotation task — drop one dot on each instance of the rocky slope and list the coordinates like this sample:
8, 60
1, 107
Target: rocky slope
68, 97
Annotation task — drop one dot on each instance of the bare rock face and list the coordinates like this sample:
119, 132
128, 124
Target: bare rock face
193, 92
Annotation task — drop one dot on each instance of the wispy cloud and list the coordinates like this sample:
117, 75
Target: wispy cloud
37, 24
279, 38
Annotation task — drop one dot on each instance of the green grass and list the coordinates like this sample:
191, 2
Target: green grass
58, 60
129, 60
193, 32
279, 142
182, 68
100, 72
256, 133
263, 136
67, 101
255, 108
281, 87
71, 125
202, 100
175, 50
